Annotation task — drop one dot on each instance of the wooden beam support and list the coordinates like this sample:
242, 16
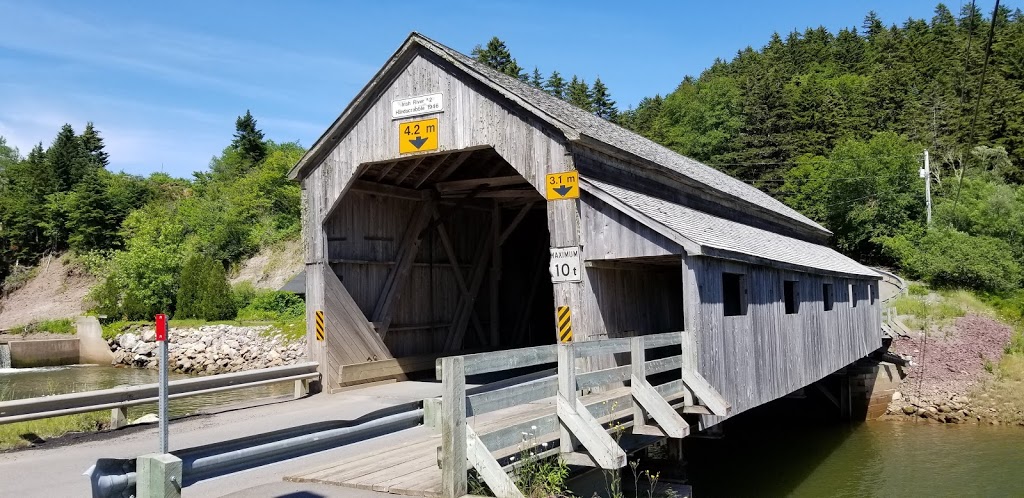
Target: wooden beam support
481, 459
567, 390
383, 311
383, 190
449, 249
707, 394
647, 399
466, 305
472, 183
524, 316
454, 471
454, 166
387, 169
601, 447
430, 171
409, 169
514, 223
495, 280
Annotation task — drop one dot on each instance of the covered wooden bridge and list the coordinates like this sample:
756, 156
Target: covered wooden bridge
452, 209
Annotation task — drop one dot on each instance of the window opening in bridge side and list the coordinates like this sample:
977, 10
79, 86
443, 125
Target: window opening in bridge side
792, 300
853, 295
828, 299
871, 294
734, 294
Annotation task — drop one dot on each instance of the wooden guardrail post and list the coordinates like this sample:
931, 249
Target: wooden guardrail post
637, 357
454, 467
567, 390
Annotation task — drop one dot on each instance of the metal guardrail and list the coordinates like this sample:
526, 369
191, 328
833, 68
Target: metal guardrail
119, 398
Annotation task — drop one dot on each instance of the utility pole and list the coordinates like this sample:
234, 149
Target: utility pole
926, 173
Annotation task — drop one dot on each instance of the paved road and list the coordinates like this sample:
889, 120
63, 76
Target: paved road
52, 472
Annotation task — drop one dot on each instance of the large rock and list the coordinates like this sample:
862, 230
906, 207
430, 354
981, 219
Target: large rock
128, 341
149, 335
144, 348
909, 410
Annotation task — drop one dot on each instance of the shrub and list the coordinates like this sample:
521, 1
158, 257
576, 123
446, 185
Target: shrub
59, 326
242, 294
274, 305
944, 257
917, 289
203, 292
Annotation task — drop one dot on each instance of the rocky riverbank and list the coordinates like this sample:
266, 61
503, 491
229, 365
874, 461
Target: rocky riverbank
948, 366
209, 349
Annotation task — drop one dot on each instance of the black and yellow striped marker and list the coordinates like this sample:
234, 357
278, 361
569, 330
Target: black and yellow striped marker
319, 325
564, 324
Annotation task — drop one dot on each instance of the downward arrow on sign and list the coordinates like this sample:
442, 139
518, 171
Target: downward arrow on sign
564, 189
418, 142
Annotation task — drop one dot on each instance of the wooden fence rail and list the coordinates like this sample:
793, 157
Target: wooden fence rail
578, 417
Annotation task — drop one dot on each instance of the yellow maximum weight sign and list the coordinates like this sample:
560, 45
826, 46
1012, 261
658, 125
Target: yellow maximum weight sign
564, 324
417, 136
319, 325
565, 185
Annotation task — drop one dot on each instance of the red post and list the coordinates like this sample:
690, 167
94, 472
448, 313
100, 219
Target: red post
161, 327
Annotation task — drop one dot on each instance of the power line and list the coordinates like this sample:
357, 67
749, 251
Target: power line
977, 103
875, 194
840, 178
816, 159
967, 57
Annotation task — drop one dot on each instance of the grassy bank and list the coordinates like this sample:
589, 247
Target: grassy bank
21, 434
60, 326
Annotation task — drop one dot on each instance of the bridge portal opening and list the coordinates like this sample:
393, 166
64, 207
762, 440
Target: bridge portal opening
445, 253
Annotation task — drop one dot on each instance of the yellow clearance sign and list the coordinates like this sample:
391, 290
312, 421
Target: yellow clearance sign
563, 186
417, 136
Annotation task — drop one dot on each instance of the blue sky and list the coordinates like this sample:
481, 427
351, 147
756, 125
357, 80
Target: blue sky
163, 82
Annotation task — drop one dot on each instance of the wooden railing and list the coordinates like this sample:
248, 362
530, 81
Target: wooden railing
578, 419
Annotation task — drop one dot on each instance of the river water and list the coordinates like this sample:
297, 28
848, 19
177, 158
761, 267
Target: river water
18, 383
772, 458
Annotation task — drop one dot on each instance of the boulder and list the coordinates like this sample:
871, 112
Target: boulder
909, 410
896, 396
149, 418
128, 341
149, 335
144, 348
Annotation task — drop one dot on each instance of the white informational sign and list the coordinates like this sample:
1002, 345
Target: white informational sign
566, 265
415, 106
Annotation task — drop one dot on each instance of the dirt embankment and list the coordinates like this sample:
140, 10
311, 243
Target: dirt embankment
57, 290
272, 267
949, 367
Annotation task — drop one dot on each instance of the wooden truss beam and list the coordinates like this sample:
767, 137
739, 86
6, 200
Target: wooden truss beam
384, 190
472, 183
408, 170
455, 165
514, 223
449, 249
397, 277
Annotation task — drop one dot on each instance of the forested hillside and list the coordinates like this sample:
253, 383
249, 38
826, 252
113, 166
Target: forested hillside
835, 124
144, 236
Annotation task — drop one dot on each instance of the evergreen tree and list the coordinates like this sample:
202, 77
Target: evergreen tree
578, 94
601, 102
497, 56
248, 140
204, 292
67, 159
555, 85
536, 79
89, 215
93, 144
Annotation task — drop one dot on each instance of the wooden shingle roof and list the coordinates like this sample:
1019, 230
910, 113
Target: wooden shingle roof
576, 124
701, 233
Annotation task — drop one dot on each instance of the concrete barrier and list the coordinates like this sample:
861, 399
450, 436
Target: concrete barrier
44, 353
92, 347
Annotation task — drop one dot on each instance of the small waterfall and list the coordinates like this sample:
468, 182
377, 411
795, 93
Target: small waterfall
5, 356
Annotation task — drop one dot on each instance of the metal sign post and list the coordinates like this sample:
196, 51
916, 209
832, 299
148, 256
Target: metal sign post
161, 339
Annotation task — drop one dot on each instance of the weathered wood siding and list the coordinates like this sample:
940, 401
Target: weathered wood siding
363, 240
609, 234
765, 354
474, 116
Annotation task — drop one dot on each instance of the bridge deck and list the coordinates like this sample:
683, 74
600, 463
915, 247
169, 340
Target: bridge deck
406, 464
